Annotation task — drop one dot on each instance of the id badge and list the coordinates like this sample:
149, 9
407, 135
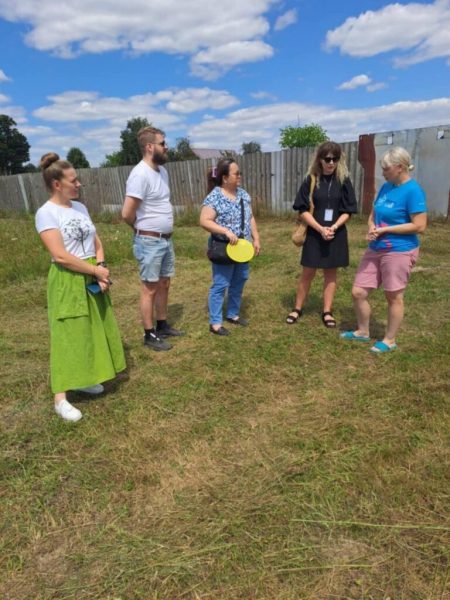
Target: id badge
328, 214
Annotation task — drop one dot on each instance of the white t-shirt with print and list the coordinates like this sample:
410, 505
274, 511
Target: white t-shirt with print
74, 223
155, 212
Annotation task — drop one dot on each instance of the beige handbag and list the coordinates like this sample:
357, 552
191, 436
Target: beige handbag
299, 233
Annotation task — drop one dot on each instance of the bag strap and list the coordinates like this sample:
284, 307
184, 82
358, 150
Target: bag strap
312, 185
242, 218
311, 192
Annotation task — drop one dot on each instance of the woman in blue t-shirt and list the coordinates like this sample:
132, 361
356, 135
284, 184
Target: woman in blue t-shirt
397, 216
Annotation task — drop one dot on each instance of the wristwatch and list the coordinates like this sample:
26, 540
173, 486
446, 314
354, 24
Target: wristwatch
102, 263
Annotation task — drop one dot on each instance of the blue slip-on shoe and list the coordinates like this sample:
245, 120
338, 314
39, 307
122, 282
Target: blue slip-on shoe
351, 335
382, 348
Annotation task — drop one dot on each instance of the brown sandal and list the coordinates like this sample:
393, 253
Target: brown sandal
329, 323
291, 319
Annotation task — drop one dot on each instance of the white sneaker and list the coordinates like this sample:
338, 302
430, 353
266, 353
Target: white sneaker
68, 412
92, 389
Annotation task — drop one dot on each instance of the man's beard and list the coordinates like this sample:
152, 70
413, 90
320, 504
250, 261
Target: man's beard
159, 158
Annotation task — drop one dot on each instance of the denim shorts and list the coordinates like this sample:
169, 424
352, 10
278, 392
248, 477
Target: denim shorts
155, 257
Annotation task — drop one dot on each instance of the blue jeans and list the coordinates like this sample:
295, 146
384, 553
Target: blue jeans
226, 277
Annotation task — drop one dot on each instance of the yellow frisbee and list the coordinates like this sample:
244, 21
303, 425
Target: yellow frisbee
241, 252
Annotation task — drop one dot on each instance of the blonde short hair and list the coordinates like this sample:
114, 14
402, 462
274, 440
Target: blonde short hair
146, 135
397, 156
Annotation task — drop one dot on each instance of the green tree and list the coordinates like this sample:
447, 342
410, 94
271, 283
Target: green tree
182, 151
228, 154
301, 137
14, 147
129, 147
29, 168
115, 159
78, 159
250, 147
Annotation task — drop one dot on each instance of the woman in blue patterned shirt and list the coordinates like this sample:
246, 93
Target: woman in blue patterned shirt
221, 215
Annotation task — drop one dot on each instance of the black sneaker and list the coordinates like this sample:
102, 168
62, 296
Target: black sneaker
167, 331
154, 342
238, 321
220, 331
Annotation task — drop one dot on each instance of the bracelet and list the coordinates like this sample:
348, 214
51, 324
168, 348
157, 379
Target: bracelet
102, 263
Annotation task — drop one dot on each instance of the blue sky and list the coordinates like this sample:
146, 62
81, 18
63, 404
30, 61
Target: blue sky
220, 73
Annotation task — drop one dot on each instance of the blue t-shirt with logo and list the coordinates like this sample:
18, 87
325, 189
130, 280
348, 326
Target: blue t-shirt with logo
394, 206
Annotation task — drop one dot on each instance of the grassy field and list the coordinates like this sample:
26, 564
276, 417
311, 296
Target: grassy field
279, 463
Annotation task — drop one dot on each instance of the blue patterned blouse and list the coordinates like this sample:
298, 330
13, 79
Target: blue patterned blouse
229, 211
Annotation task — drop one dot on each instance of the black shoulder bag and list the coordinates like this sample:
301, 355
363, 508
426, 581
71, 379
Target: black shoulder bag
217, 246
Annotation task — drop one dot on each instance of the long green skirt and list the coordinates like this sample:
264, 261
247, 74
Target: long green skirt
85, 344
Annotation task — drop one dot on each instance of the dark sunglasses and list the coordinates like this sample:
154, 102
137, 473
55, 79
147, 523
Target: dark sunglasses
163, 144
329, 159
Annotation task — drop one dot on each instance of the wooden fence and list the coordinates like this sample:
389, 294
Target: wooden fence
271, 178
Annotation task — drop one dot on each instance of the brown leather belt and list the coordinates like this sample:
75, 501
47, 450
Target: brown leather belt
166, 236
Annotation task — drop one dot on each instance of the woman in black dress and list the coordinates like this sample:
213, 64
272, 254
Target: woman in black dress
326, 245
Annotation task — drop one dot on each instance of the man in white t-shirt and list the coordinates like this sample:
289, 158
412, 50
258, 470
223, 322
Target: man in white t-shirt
148, 210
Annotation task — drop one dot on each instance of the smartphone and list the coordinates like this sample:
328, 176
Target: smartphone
94, 288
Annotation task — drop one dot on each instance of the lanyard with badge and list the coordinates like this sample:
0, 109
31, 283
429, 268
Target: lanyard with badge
329, 211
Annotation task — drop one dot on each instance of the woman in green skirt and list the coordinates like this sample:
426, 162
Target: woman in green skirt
85, 344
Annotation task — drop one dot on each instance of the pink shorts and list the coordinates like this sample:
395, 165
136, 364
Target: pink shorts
390, 269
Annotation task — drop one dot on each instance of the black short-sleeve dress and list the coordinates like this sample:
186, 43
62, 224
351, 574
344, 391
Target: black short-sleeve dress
330, 199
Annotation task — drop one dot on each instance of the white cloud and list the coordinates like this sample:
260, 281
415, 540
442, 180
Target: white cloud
163, 108
194, 99
81, 111
3, 76
286, 19
354, 82
4, 99
421, 28
374, 87
214, 62
362, 81
263, 96
17, 113
194, 28
259, 123
74, 106
263, 123
37, 130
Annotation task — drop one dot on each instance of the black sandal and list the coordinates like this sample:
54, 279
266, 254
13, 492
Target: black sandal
290, 319
329, 323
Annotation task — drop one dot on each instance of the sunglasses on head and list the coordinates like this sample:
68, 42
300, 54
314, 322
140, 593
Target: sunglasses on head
329, 159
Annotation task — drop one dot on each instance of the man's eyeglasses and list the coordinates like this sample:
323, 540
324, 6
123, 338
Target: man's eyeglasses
329, 159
